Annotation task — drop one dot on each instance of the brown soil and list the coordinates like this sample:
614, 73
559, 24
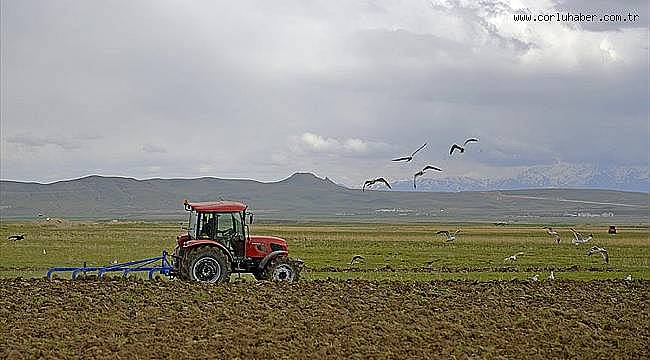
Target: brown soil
324, 319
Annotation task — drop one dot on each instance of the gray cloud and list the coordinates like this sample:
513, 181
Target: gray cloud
31, 141
152, 148
164, 83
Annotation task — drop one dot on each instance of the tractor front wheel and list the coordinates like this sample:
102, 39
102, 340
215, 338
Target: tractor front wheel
207, 265
280, 269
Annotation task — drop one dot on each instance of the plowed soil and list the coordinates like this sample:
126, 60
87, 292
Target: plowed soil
132, 319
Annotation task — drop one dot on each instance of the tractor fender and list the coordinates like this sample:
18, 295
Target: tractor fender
270, 257
195, 243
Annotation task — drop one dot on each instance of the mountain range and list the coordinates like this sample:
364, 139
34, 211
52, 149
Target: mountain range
561, 175
304, 196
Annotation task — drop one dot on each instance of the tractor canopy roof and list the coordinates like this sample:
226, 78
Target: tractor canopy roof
215, 206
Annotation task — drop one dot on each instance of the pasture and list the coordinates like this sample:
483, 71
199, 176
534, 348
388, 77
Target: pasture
391, 251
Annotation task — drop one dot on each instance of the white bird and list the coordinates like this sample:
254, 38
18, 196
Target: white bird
410, 157
535, 278
44, 252
578, 238
114, 261
628, 278
356, 258
513, 257
421, 172
450, 236
595, 250
551, 232
552, 276
461, 148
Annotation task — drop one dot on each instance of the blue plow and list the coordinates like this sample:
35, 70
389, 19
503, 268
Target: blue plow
158, 264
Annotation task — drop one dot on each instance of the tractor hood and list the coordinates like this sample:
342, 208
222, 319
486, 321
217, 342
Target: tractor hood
272, 242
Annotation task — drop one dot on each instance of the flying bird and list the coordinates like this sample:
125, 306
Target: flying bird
17, 237
578, 238
535, 278
628, 278
461, 148
450, 236
602, 251
513, 257
421, 172
370, 183
356, 258
409, 158
552, 276
551, 232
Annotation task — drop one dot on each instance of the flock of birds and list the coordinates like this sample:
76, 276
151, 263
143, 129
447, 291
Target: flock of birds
578, 238
454, 147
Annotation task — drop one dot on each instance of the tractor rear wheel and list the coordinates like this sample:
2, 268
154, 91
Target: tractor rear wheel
208, 265
280, 269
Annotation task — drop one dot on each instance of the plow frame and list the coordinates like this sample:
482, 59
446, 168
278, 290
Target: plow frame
158, 264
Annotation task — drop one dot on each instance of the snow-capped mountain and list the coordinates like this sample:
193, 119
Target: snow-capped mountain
562, 175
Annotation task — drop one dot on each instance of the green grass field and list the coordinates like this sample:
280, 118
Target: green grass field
392, 251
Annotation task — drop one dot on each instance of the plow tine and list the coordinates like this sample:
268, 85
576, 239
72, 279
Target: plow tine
145, 265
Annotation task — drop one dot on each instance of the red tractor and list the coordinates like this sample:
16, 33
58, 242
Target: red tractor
218, 243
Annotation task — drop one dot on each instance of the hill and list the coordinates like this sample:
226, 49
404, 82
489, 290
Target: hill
304, 196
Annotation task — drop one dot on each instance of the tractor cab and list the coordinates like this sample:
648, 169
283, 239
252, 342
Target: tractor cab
223, 222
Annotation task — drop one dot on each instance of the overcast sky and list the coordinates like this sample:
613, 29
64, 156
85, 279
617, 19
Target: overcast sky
261, 89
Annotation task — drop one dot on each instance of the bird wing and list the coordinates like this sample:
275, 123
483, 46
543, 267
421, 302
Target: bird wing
419, 173
367, 183
576, 235
382, 180
403, 158
469, 141
429, 167
443, 232
605, 255
456, 232
519, 254
454, 147
420, 148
